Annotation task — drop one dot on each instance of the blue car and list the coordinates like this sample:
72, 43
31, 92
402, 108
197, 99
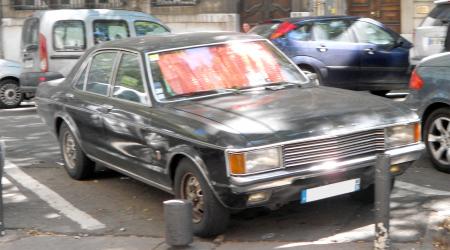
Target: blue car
345, 52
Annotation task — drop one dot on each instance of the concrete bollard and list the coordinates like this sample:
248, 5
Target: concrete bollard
2, 166
178, 218
382, 202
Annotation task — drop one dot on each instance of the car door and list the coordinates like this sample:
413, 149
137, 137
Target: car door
132, 145
383, 60
338, 50
87, 104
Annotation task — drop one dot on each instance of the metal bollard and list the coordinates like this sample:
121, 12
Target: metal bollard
382, 202
178, 217
2, 165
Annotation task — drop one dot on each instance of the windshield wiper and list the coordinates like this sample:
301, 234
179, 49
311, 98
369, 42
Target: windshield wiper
206, 92
271, 86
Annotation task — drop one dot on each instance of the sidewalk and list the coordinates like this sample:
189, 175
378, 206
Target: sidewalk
18, 240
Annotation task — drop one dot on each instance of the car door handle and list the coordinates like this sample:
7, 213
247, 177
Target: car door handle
370, 51
105, 108
322, 49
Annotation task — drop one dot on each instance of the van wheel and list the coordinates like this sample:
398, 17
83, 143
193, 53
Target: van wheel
10, 94
76, 163
209, 216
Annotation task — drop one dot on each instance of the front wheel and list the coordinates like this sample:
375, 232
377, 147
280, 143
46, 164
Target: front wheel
437, 138
209, 216
10, 94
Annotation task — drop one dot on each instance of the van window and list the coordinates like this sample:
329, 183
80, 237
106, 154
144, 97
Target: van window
110, 30
69, 35
438, 16
144, 28
100, 73
30, 33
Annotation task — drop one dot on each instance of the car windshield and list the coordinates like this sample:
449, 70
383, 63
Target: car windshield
220, 68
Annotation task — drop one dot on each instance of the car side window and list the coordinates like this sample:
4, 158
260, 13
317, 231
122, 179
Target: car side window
144, 28
110, 30
100, 73
69, 35
129, 84
79, 84
371, 33
332, 30
302, 33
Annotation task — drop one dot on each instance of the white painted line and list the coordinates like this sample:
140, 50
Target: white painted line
420, 189
52, 198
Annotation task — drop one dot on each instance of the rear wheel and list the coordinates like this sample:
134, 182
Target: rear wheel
10, 94
437, 138
209, 216
76, 163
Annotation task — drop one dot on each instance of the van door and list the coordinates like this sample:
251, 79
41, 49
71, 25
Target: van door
68, 45
30, 45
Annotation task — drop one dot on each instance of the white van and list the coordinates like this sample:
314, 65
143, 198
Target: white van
429, 37
53, 40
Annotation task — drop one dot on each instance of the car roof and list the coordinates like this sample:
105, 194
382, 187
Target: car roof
311, 18
155, 43
441, 1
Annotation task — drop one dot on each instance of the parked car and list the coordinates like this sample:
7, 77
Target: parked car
345, 52
54, 40
227, 122
430, 97
10, 94
429, 36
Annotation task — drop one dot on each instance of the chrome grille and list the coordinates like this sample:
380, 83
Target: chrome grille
335, 148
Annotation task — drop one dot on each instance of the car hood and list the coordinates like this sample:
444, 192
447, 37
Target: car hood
267, 116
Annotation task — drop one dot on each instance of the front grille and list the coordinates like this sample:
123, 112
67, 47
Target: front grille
340, 148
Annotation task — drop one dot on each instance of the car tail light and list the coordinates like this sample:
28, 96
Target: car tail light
43, 53
282, 30
416, 82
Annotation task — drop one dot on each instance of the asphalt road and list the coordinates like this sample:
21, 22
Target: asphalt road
40, 198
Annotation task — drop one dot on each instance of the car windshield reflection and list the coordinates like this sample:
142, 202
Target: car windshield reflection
220, 69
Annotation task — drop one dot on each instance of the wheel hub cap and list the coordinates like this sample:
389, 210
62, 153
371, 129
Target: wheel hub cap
69, 150
439, 140
192, 191
10, 94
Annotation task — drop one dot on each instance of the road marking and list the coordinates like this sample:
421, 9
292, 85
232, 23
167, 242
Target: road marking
52, 198
11, 194
420, 189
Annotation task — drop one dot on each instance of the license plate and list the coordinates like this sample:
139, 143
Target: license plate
327, 191
28, 64
436, 40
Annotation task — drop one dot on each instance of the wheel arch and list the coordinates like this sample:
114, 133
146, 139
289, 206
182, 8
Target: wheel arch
187, 152
10, 78
427, 112
59, 120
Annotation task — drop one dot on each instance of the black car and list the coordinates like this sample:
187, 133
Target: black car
224, 120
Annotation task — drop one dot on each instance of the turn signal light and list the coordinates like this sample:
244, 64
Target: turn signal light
417, 132
237, 163
416, 82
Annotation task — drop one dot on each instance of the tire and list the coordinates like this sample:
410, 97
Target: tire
210, 218
10, 94
367, 195
436, 138
76, 163
381, 93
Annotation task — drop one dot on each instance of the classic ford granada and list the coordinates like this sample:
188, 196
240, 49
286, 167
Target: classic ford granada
224, 120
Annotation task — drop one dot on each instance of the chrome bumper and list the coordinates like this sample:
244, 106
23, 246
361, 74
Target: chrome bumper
285, 177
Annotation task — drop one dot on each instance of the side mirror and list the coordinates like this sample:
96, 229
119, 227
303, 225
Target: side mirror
313, 78
31, 48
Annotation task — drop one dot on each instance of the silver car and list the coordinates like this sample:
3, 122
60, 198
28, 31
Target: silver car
429, 37
430, 97
10, 94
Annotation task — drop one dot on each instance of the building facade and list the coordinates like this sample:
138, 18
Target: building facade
227, 15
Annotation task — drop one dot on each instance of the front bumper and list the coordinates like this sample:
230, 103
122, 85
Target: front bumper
283, 184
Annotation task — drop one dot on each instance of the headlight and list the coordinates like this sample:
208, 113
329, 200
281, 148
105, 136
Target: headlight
254, 161
402, 135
